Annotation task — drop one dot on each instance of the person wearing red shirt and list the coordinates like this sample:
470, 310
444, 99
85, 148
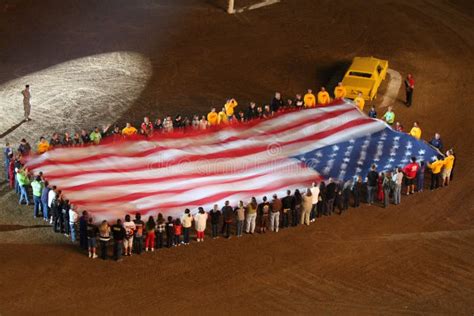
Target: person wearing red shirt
410, 171
409, 87
147, 127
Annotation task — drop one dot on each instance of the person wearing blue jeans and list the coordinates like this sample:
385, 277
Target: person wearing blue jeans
7, 152
37, 187
44, 201
73, 218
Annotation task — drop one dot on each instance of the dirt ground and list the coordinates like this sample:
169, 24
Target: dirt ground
417, 258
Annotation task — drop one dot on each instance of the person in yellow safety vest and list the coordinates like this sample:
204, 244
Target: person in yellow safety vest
309, 99
360, 102
129, 130
43, 145
212, 117
436, 167
222, 117
229, 108
448, 167
340, 91
323, 97
415, 131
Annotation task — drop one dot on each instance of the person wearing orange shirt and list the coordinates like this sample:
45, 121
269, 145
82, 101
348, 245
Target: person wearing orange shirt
309, 99
323, 97
447, 167
340, 91
129, 130
43, 145
359, 102
415, 131
229, 108
222, 117
212, 117
436, 167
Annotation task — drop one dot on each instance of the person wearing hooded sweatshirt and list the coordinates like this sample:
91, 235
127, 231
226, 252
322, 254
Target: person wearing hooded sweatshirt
200, 221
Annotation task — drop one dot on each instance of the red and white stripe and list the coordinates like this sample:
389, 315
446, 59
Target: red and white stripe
171, 172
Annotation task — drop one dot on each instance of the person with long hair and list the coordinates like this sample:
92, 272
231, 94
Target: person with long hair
160, 231
200, 221
178, 231
150, 234
104, 237
296, 211
251, 216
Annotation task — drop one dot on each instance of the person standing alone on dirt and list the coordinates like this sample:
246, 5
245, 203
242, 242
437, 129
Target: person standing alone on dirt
26, 102
409, 87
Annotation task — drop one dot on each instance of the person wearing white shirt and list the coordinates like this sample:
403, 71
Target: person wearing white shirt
51, 196
315, 196
200, 221
397, 177
73, 218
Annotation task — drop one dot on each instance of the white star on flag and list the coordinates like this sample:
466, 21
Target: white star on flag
346, 160
335, 148
421, 152
352, 141
409, 145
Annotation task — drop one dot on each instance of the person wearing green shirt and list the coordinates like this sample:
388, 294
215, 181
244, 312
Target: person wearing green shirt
389, 116
95, 136
23, 181
37, 187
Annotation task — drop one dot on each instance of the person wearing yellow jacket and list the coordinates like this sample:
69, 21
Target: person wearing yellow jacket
222, 117
415, 131
212, 117
436, 167
229, 108
129, 130
323, 97
448, 167
360, 102
340, 91
43, 145
309, 99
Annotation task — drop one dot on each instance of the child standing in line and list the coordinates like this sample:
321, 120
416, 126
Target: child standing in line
170, 232
178, 231
160, 230
150, 234
200, 220
187, 223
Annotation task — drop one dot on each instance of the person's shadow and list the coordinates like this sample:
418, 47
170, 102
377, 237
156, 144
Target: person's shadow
11, 129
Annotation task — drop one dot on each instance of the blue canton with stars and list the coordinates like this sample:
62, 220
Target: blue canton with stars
387, 149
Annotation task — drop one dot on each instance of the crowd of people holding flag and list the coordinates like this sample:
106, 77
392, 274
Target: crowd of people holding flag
260, 214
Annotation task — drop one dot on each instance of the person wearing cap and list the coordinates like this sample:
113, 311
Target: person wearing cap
448, 167
436, 166
409, 87
309, 99
340, 91
275, 213
415, 130
323, 97
389, 116
359, 101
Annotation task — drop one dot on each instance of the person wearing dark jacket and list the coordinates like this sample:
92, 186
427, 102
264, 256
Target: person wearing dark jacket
288, 203
357, 191
56, 210
437, 142
83, 229
92, 232
372, 179
169, 232
119, 235
296, 211
228, 215
65, 215
321, 206
251, 112
277, 103
330, 196
215, 216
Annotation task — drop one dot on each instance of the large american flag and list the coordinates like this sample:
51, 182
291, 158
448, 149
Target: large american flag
170, 172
